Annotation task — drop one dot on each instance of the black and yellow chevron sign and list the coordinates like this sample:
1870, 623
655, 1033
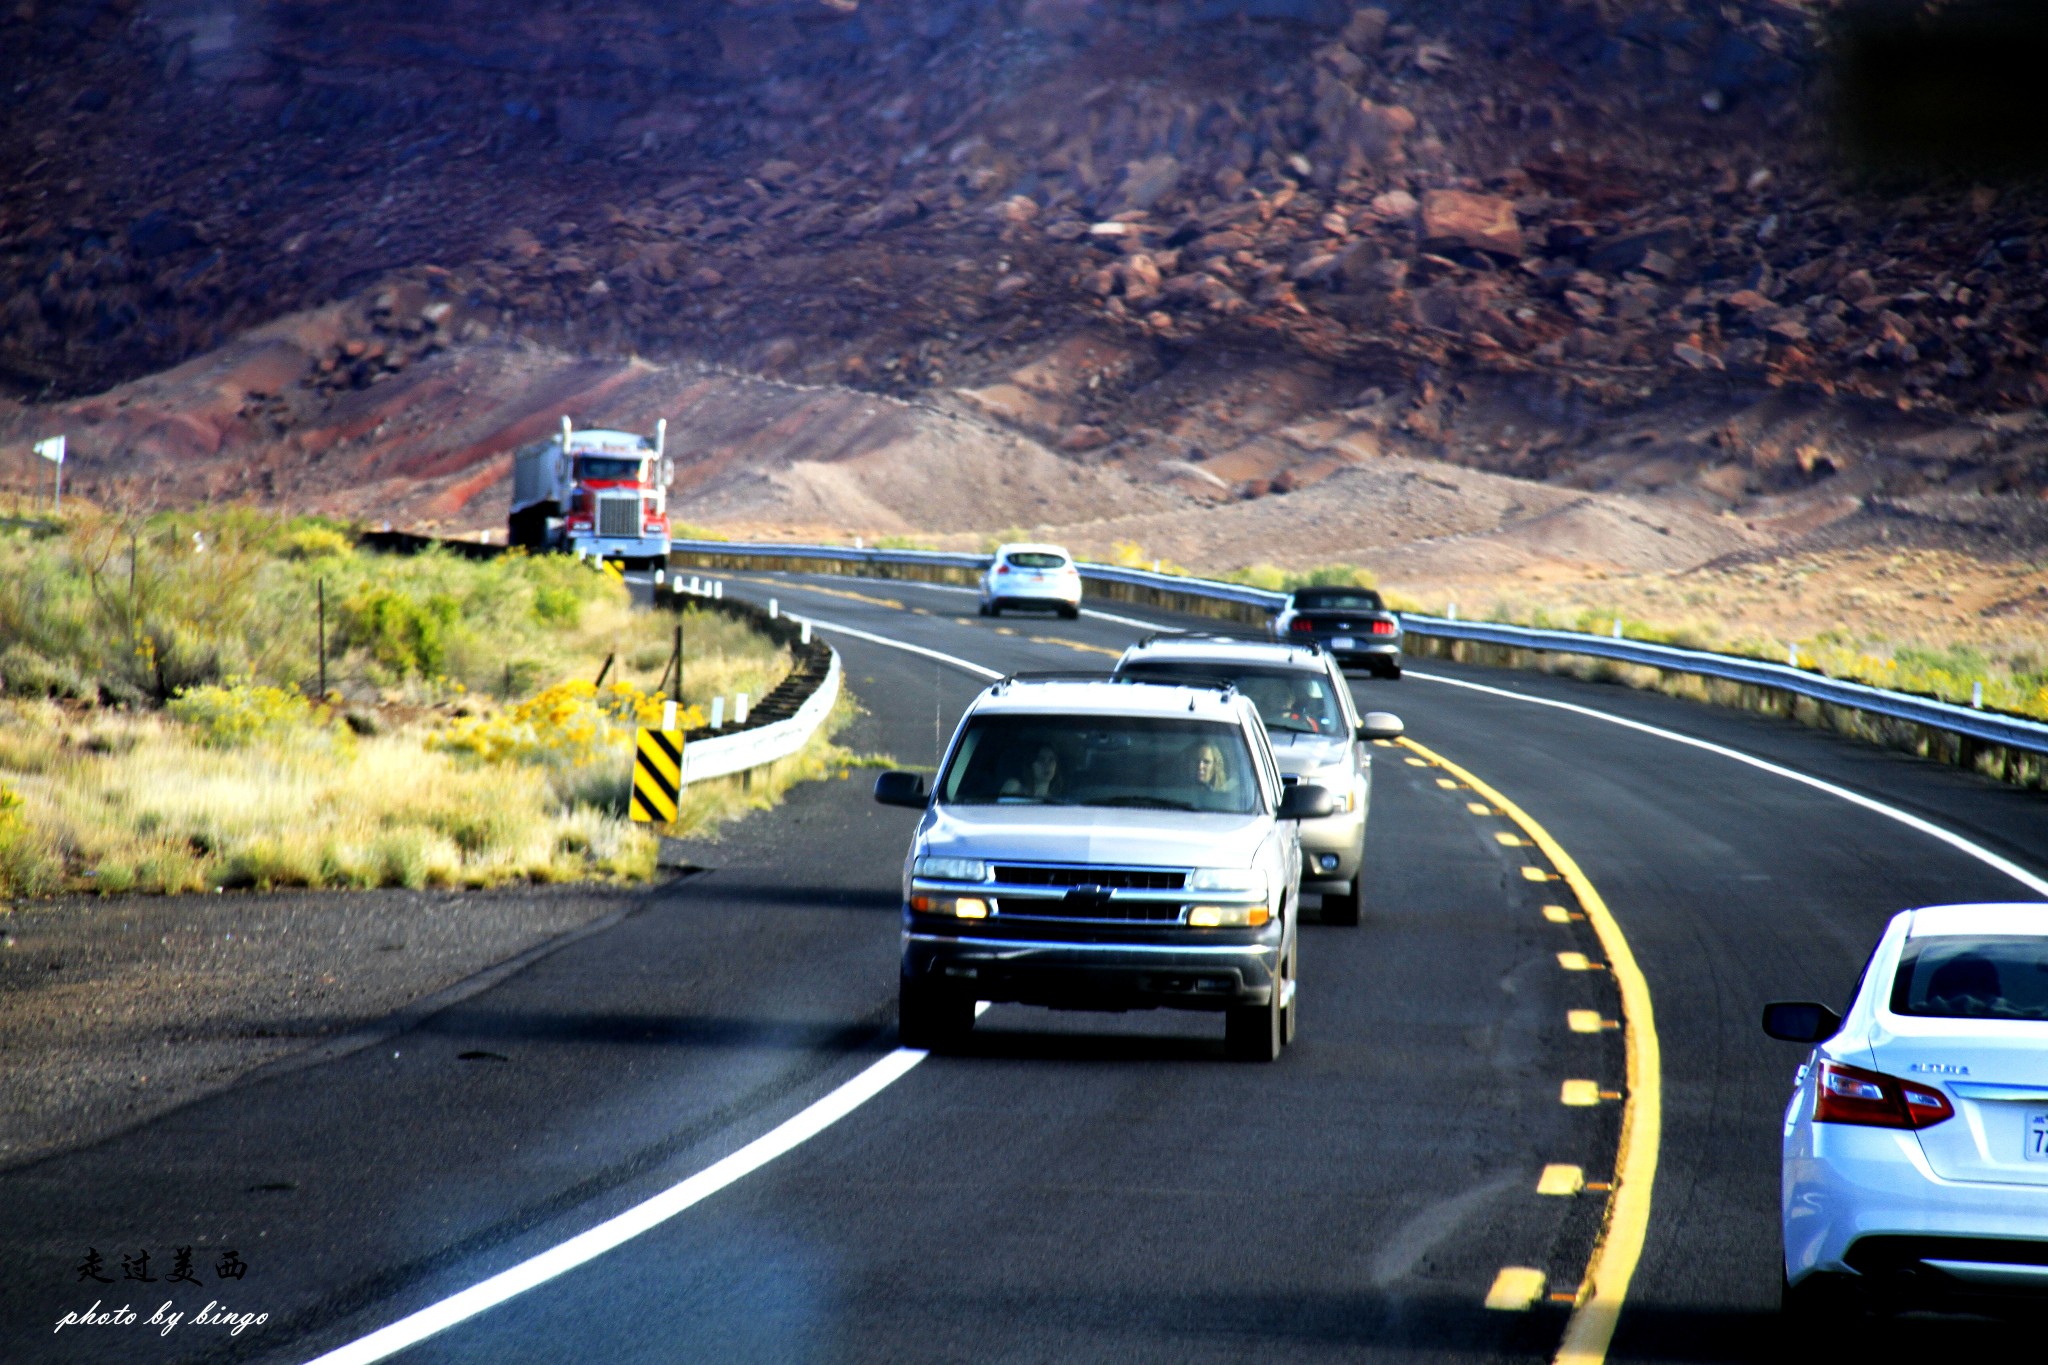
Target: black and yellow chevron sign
618, 574
657, 776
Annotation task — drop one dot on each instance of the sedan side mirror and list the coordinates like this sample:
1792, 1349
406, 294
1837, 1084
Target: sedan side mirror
1800, 1021
902, 789
1382, 725
1305, 802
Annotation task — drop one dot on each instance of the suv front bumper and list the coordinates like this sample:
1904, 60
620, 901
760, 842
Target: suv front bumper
1177, 973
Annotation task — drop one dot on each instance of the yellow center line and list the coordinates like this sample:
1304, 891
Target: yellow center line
1619, 1247
1074, 644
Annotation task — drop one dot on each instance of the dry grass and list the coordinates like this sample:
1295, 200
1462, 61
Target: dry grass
462, 741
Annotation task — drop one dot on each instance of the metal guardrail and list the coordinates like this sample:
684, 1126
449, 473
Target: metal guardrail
724, 753
1990, 727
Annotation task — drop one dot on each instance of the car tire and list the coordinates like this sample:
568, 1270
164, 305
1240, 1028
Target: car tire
1070, 613
1822, 1302
1253, 1033
994, 609
1289, 1014
1391, 672
1345, 908
932, 1017
981, 608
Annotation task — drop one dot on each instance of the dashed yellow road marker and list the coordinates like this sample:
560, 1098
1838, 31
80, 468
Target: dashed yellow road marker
1420, 763
1579, 1094
1535, 874
1557, 914
1443, 782
1578, 962
1619, 1247
1561, 1180
1515, 1289
1383, 743
1005, 630
1479, 808
1075, 644
1588, 1021
1510, 840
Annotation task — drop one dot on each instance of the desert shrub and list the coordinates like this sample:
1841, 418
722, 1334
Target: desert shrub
240, 713
26, 673
314, 540
26, 865
401, 632
556, 605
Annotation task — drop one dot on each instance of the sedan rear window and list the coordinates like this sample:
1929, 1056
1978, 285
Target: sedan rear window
1035, 559
1138, 761
1338, 599
1959, 976
1291, 700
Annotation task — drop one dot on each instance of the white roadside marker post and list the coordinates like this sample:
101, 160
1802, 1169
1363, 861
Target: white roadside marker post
53, 451
718, 713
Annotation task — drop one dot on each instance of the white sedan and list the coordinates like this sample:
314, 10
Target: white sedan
1916, 1143
1038, 576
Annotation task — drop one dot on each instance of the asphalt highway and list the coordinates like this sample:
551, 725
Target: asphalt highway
1072, 1187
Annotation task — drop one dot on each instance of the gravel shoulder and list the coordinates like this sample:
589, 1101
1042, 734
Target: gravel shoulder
113, 1011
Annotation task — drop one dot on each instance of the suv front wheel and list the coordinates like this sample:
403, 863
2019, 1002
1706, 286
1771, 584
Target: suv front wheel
932, 1017
1256, 1033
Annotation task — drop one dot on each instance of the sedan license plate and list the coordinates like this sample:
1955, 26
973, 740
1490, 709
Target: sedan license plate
1343, 642
2036, 1140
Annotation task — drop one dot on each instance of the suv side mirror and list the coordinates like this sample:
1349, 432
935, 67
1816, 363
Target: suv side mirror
902, 789
1382, 725
1800, 1021
1304, 802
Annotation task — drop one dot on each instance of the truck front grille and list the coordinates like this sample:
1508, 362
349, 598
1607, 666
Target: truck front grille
1108, 878
619, 516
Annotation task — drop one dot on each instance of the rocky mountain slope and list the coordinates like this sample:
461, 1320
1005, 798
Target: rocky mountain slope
1139, 256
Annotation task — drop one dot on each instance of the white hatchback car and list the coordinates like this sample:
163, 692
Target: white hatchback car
1916, 1143
1040, 576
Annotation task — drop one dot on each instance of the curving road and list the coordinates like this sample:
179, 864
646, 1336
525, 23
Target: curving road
1074, 1187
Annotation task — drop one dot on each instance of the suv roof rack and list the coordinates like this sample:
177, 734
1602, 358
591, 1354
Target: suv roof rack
1223, 685
1222, 635
1227, 638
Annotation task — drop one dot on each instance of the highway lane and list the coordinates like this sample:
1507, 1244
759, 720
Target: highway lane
1078, 1185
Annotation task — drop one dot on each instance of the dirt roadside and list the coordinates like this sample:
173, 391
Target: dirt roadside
115, 1011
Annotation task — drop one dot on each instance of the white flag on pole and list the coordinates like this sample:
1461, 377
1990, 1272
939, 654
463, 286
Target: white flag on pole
52, 449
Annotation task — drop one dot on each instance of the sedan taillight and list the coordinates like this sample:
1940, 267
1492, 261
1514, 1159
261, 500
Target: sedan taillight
1303, 625
1849, 1094
1383, 627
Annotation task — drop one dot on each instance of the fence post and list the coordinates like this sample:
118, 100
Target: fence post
322, 587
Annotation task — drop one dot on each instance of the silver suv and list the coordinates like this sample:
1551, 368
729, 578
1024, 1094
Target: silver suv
1318, 737
1106, 844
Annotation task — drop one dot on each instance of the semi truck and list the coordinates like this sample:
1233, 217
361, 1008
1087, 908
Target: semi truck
595, 492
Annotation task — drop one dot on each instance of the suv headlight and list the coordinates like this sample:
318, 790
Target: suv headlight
1239, 879
950, 869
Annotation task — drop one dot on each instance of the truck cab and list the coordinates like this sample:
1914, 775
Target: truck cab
595, 492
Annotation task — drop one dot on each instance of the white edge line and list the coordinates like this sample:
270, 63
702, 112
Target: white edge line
955, 587
650, 1213
2036, 884
976, 669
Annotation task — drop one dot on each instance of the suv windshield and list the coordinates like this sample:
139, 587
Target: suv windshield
1955, 976
602, 467
1035, 559
1338, 599
1068, 760
1289, 699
